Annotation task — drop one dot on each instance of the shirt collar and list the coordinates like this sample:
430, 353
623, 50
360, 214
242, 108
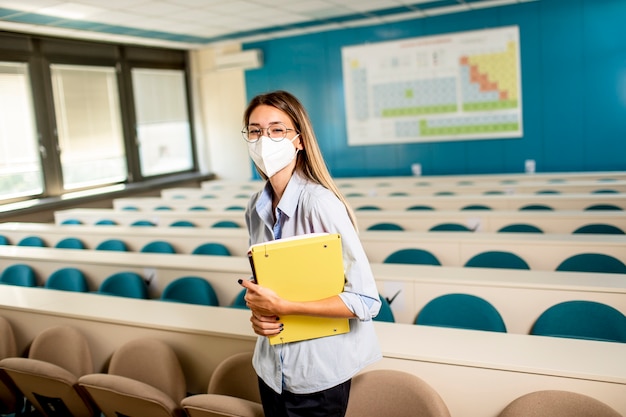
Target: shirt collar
289, 201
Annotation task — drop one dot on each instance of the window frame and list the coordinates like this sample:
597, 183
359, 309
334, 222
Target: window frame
39, 52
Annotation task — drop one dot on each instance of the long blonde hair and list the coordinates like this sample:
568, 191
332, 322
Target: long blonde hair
310, 162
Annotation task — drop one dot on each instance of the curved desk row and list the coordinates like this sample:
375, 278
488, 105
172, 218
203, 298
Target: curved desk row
514, 202
519, 295
476, 373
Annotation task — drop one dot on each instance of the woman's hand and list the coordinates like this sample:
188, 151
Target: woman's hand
265, 306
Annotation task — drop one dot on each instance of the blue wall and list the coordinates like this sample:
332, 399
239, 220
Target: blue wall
573, 55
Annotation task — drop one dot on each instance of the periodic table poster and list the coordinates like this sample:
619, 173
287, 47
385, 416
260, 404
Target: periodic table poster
459, 86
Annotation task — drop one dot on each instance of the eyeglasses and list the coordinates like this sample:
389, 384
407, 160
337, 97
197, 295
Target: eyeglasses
275, 131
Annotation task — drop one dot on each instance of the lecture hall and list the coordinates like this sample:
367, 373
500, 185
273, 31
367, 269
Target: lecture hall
480, 146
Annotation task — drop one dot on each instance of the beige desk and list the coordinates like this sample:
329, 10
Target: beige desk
513, 202
476, 373
421, 188
519, 295
562, 221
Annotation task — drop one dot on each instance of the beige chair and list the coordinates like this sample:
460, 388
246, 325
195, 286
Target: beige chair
233, 391
48, 378
387, 392
144, 379
9, 394
556, 403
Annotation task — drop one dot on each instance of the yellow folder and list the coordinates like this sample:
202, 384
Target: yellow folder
302, 268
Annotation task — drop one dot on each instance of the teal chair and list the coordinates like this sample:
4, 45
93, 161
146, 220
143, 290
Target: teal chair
235, 208
130, 208
421, 207
444, 193
536, 207
163, 208
211, 248
124, 284
580, 319
385, 314
476, 207
4, 240
208, 196
190, 290
412, 256
386, 226
158, 246
183, 223
71, 221
494, 192
547, 192
600, 228
605, 191
239, 301
113, 245
198, 208
70, 243
34, 241
520, 228
496, 259
19, 274
106, 222
592, 262
368, 208
142, 223
67, 279
450, 227
226, 223
462, 311
601, 207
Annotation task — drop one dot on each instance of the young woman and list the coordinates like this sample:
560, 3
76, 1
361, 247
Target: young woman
312, 377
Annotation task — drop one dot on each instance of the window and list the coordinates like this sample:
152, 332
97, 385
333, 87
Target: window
163, 128
20, 165
89, 125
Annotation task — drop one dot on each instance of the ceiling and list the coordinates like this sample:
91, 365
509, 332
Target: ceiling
189, 24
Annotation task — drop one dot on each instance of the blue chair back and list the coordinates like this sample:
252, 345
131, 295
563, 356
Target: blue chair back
226, 223
385, 314
235, 208
71, 221
125, 284
375, 208
19, 274
421, 207
142, 223
158, 246
211, 248
412, 256
385, 226
112, 244
538, 207
610, 207
592, 262
463, 311
190, 290
520, 228
34, 241
70, 243
476, 207
580, 319
67, 279
105, 222
600, 228
198, 208
183, 223
497, 259
4, 240
449, 227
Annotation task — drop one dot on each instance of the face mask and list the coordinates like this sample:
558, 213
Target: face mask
272, 156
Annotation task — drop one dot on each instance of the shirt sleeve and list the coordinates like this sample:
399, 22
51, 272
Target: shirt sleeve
328, 214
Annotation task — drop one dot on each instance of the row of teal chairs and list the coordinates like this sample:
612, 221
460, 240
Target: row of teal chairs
489, 192
192, 208
582, 262
149, 223
583, 319
157, 246
578, 319
595, 228
530, 207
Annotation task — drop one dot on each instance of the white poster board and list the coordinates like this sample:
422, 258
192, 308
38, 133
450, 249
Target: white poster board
458, 86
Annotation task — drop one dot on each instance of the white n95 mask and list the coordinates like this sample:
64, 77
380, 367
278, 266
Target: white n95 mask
270, 156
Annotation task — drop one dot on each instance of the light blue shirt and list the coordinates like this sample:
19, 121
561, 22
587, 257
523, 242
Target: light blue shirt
318, 364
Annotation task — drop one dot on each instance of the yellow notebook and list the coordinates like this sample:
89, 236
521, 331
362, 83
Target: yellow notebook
302, 268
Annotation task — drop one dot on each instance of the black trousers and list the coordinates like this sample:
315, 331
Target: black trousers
332, 402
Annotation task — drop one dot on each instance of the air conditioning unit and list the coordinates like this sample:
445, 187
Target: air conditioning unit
243, 60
